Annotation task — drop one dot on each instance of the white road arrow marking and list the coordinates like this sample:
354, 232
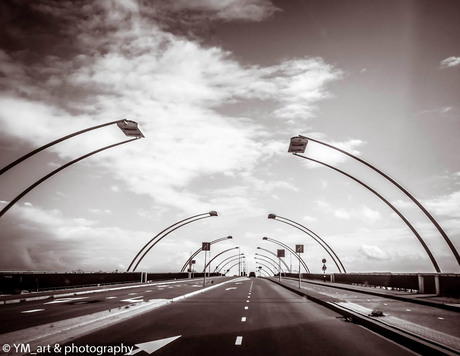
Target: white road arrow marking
152, 346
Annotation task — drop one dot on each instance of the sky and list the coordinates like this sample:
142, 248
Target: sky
218, 89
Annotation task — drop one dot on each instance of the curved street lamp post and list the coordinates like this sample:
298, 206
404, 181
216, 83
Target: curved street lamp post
201, 249
129, 128
144, 250
267, 267
209, 263
274, 265
237, 258
274, 254
299, 144
313, 235
290, 250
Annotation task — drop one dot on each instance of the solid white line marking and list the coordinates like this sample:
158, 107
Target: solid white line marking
243, 319
32, 311
239, 340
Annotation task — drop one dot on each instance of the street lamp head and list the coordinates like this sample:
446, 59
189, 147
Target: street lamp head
230, 237
130, 128
265, 238
213, 213
298, 144
271, 216
258, 248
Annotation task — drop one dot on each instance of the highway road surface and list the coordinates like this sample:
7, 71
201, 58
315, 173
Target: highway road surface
243, 317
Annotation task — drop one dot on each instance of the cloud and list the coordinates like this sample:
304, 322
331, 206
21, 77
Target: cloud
449, 62
373, 252
445, 205
225, 10
172, 85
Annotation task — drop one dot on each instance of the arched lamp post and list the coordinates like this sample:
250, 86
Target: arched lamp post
267, 260
267, 267
221, 265
315, 237
305, 140
201, 249
274, 254
238, 258
290, 250
294, 148
144, 250
129, 128
209, 263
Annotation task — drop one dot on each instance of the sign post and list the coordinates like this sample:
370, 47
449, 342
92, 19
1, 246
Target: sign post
280, 254
299, 250
324, 268
206, 246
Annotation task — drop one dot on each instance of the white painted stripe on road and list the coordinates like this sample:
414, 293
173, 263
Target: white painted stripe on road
246, 307
243, 319
32, 311
111, 298
239, 340
66, 300
247, 301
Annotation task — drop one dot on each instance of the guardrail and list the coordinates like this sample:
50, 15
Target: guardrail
442, 284
17, 282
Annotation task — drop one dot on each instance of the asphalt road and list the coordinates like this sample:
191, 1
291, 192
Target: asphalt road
28, 314
246, 317
434, 318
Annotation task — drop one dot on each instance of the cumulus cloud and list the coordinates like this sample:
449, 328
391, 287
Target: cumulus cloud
450, 62
172, 85
225, 10
373, 252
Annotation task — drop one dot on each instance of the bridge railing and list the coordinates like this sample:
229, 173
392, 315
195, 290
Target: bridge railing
442, 284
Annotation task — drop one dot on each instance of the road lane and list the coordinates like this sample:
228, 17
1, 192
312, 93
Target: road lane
442, 320
248, 317
38, 312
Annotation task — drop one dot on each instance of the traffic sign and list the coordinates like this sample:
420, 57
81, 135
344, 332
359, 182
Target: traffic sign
324, 260
299, 248
206, 246
324, 268
280, 253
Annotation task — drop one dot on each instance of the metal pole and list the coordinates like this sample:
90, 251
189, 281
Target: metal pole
279, 268
409, 195
299, 270
204, 274
24, 192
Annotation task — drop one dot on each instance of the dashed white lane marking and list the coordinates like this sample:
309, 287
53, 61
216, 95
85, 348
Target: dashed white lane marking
239, 340
230, 288
132, 293
32, 311
440, 318
110, 297
247, 301
246, 307
408, 310
243, 319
